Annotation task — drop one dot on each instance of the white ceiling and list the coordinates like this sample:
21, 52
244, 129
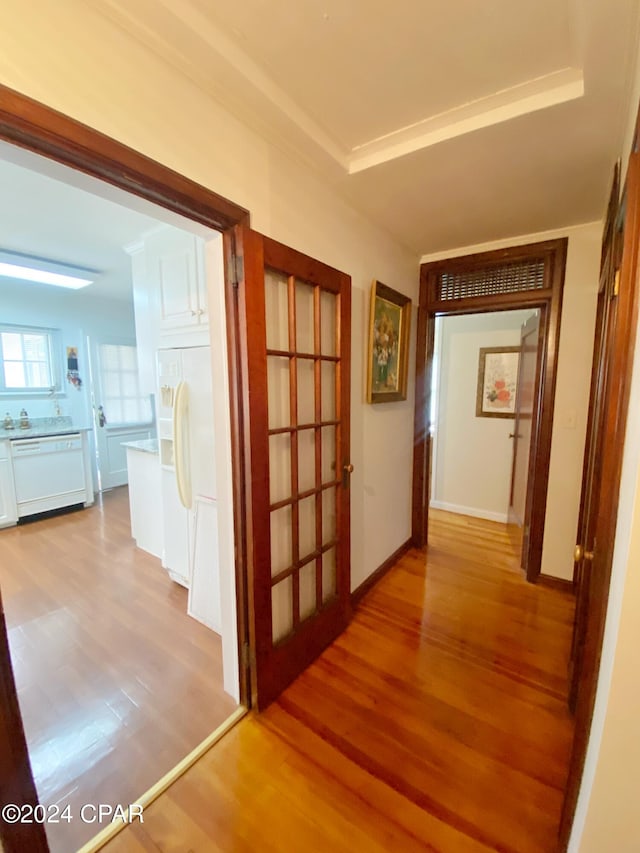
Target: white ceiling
364, 69
48, 218
449, 123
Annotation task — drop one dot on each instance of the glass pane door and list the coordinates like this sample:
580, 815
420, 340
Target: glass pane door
297, 314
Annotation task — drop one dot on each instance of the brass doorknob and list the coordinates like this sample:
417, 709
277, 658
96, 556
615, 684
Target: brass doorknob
580, 554
348, 468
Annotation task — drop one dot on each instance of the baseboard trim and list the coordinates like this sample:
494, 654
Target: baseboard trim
563, 584
487, 514
358, 594
112, 829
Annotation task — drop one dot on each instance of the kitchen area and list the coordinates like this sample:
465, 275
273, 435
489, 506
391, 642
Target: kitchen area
103, 387
44, 465
121, 612
174, 475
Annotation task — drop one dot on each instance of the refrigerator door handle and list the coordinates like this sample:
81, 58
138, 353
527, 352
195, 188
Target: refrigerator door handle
180, 448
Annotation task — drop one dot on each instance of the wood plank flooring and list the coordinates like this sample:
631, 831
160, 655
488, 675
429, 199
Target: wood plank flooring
437, 721
116, 683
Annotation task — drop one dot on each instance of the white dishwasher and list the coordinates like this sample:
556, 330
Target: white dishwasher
48, 472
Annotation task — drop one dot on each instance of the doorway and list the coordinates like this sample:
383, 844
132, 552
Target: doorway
121, 412
248, 259
523, 278
482, 395
106, 649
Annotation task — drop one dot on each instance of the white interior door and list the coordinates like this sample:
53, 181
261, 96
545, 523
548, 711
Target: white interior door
120, 412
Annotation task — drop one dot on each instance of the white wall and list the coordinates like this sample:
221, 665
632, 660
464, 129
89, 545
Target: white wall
142, 102
572, 389
472, 456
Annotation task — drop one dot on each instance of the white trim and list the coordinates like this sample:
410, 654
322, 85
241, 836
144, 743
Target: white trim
214, 270
561, 86
488, 514
254, 96
507, 242
53, 340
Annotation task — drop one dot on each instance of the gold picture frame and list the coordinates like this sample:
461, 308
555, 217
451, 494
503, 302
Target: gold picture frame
388, 359
497, 382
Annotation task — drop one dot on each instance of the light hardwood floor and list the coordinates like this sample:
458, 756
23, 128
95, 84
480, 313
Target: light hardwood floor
437, 721
116, 683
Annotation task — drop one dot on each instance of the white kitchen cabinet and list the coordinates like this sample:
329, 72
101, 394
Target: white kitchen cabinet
8, 506
145, 495
175, 264
169, 296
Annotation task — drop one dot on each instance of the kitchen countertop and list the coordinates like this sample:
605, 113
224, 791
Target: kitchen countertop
146, 445
41, 427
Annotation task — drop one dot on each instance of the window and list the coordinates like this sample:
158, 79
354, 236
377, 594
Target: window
26, 356
122, 401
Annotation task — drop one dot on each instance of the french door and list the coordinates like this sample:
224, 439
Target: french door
294, 316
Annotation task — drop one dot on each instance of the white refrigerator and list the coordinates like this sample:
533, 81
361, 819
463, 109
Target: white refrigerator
187, 456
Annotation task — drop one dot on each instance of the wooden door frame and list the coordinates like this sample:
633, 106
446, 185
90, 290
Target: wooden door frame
613, 442
610, 260
35, 127
549, 300
534, 416
16, 781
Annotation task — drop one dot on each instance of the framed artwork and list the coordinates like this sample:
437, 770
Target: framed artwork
73, 374
497, 382
389, 326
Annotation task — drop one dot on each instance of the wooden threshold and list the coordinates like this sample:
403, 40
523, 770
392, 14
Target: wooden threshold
109, 832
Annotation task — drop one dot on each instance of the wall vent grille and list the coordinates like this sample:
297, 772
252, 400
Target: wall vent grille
515, 277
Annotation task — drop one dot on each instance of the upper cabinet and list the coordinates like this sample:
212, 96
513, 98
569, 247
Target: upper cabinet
169, 296
177, 261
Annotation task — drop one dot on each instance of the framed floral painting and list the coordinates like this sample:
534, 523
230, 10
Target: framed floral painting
497, 382
388, 345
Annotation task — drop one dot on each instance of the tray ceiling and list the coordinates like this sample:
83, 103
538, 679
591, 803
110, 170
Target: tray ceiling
446, 123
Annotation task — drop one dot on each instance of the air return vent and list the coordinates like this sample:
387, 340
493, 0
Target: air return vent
514, 277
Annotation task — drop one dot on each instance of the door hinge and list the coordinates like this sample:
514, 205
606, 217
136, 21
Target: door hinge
238, 270
248, 659
616, 283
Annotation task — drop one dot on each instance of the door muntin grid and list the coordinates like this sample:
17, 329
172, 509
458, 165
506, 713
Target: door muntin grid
303, 382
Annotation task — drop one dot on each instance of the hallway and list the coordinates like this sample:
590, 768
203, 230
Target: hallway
437, 721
